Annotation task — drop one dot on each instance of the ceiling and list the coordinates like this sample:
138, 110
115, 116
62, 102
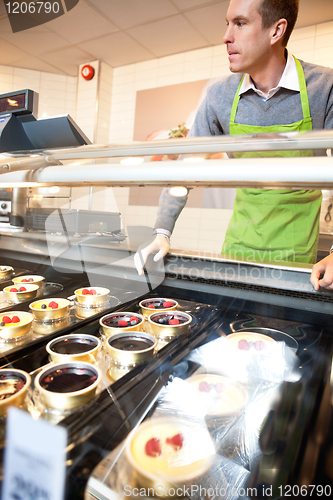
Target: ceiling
121, 32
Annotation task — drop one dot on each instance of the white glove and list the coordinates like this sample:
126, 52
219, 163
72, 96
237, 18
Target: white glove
161, 245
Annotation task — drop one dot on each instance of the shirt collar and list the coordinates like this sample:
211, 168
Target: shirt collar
288, 80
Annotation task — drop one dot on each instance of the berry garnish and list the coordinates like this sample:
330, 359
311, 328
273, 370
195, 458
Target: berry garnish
2, 323
93, 291
30, 280
151, 306
6, 319
24, 281
219, 387
174, 321
259, 345
176, 441
243, 345
153, 447
167, 304
85, 292
13, 290
204, 387
43, 306
121, 322
22, 289
53, 305
15, 319
133, 320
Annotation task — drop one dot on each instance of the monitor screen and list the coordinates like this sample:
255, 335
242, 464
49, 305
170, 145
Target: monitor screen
12, 103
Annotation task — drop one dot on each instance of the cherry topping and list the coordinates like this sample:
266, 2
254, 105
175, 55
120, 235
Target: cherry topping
243, 345
167, 303
13, 290
15, 319
259, 345
204, 386
176, 441
174, 321
153, 447
121, 322
6, 319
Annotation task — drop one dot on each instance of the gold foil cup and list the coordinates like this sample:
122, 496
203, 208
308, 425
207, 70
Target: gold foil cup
92, 300
6, 272
36, 280
46, 327
16, 297
49, 314
162, 331
109, 330
86, 312
70, 399
14, 330
88, 356
131, 357
18, 397
196, 461
146, 311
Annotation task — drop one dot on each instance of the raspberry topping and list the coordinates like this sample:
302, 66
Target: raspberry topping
13, 290
153, 447
167, 304
151, 306
259, 345
93, 291
174, 321
6, 319
133, 318
53, 304
85, 292
30, 280
24, 281
204, 386
15, 319
243, 345
219, 387
121, 322
22, 289
176, 441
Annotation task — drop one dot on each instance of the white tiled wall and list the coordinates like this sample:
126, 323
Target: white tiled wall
196, 229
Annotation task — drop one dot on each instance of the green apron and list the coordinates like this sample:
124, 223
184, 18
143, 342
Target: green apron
274, 224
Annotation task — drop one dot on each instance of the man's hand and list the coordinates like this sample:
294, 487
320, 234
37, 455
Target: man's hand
324, 266
161, 245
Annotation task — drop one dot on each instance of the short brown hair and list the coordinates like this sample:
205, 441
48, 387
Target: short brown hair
273, 10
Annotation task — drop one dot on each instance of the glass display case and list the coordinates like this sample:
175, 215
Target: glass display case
207, 376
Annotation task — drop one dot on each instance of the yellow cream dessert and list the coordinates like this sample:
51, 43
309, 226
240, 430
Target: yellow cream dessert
170, 451
32, 278
219, 396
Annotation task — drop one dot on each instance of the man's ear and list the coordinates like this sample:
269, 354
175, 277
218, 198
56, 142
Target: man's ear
278, 30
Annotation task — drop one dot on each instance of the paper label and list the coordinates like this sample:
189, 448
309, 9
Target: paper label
35, 456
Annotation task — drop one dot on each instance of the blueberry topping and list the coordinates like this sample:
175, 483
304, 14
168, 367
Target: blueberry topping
43, 306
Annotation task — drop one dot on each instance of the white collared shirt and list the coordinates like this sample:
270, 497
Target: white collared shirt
288, 80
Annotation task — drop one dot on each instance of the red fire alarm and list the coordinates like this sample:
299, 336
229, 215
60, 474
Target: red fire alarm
87, 72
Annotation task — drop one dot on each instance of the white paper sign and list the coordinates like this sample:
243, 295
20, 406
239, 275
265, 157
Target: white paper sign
35, 455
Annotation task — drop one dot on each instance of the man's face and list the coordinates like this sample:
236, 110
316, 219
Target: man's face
248, 43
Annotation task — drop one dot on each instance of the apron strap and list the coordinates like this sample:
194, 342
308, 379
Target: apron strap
235, 103
303, 91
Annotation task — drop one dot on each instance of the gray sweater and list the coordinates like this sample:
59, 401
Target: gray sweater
284, 107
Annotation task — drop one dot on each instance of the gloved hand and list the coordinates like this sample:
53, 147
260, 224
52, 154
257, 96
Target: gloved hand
161, 245
323, 266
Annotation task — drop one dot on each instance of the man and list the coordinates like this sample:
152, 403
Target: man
270, 91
